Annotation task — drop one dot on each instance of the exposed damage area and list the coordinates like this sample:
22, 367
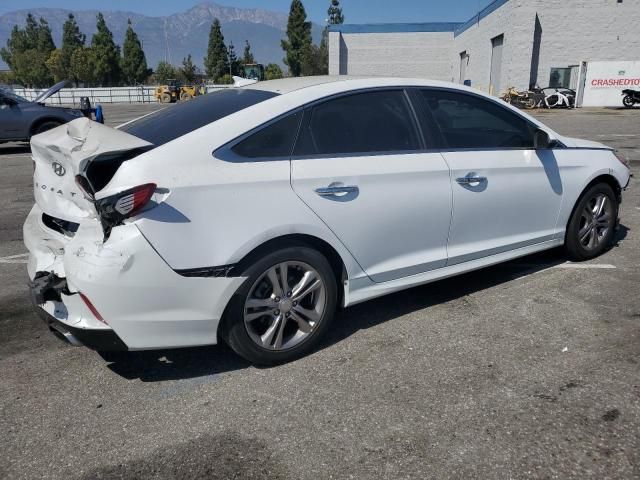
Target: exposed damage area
74, 162
91, 271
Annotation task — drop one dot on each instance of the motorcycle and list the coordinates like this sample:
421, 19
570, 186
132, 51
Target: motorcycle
519, 99
558, 97
631, 97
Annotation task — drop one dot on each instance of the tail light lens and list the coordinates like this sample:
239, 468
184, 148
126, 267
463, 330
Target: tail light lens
115, 209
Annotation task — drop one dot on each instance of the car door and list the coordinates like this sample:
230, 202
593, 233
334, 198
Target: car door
506, 194
359, 164
10, 119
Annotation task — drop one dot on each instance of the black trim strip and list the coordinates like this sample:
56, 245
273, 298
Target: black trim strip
216, 272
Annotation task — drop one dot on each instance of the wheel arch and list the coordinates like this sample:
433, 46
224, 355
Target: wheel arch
285, 241
602, 178
298, 240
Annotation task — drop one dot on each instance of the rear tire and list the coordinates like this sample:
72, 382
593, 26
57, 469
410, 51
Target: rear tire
44, 126
270, 325
628, 101
185, 97
592, 224
165, 98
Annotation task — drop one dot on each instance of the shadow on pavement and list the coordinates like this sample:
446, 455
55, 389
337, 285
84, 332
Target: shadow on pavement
224, 456
15, 149
175, 364
161, 365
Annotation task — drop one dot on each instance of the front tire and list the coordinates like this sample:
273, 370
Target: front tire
592, 224
283, 309
46, 125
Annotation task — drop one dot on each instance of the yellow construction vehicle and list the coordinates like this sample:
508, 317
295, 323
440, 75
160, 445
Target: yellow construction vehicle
187, 92
168, 93
174, 91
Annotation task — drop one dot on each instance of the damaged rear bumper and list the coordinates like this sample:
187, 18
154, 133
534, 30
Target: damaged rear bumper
102, 340
119, 292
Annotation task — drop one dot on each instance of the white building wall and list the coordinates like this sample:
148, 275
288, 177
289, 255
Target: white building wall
586, 30
334, 53
514, 21
571, 31
605, 82
402, 54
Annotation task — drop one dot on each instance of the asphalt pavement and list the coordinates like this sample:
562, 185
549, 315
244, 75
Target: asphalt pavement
530, 369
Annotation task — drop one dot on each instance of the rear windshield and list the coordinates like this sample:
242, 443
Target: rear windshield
177, 120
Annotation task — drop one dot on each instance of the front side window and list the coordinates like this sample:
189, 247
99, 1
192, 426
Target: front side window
370, 122
469, 121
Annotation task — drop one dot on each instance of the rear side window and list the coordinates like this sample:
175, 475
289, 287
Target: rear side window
177, 120
371, 122
468, 121
273, 141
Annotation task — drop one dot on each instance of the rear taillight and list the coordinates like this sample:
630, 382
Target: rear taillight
114, 209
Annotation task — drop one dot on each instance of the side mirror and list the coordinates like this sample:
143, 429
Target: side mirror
541, 140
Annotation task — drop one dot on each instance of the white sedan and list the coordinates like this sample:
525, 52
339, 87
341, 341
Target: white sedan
251, 214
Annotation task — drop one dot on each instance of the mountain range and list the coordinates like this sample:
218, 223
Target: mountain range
173, 37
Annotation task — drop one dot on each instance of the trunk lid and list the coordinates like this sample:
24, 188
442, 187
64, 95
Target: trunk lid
62, 153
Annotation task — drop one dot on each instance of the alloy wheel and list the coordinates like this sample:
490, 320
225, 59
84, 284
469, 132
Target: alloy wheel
285, 305
596, 220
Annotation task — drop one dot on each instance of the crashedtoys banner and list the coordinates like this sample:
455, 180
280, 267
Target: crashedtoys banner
606, 80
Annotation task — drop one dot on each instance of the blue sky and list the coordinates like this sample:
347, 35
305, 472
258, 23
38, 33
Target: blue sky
356, 11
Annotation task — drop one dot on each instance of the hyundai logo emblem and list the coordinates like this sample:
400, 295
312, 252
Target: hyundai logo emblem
58, 169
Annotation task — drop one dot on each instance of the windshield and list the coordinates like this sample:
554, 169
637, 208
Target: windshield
9, 94
174, 121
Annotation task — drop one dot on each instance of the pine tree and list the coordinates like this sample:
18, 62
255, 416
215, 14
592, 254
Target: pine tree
83, 65
27, 52
247, 57
72, 39
56, 66
234, 64
320, 64
298, 42
107, 55
31, 32
188, 69
216, 62
165, 71
134, 63
335, 13
44, 42
273, 71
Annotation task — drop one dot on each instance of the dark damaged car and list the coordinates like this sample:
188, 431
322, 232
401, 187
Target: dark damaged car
20, 118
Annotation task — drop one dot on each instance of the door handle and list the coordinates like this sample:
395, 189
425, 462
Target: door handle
472, 180
336, 190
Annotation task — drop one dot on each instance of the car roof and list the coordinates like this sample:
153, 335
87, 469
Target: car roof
348, 82
296, 91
